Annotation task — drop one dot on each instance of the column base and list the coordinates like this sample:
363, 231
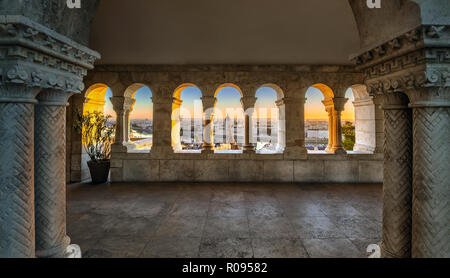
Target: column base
385, 254
161, 151
340, 151
73, 251
55, 252
118, 148
207, 151
207, 148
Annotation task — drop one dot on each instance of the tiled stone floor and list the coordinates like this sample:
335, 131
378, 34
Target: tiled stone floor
224, 220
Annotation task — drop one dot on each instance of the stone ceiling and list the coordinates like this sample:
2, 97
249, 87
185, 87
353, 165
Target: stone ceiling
224, 32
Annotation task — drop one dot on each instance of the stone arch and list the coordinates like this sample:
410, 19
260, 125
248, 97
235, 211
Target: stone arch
278, 90
365, 119
232, 85
229, 124
142, 143
95, 98
176, 114
328, 103
280, 121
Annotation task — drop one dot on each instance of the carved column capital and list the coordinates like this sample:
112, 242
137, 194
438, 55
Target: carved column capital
39, 57
339, 103
122, 104
54, 97
208, 102
248, 102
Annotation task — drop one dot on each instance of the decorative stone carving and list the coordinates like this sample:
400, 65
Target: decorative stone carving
56, 61
431, 178
122, 106
339, 104
397, 189
416, 63
34, 57
50, 171
17, 235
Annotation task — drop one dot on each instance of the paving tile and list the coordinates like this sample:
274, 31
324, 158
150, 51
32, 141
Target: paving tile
227, 209
271, 227
316, 227
172, 247
358, 227
224, 220
226, 248
226, 227
331, 248
181, 226
189, 208
279, 248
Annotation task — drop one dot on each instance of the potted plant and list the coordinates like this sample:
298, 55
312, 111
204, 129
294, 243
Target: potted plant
96, 137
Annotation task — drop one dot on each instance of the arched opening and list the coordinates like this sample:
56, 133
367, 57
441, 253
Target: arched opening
319, 130
361, 109
139, 119
97, 99
348, 122
187, 119
228, 121
267, 126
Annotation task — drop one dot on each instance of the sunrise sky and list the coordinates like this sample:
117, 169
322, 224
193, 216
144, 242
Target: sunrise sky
228, 101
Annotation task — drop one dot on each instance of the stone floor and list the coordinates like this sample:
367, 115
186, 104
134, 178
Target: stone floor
224, 220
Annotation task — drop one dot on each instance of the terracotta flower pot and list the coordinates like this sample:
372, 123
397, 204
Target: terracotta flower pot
99, 171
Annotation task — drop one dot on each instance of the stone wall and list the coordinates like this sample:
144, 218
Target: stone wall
242, 168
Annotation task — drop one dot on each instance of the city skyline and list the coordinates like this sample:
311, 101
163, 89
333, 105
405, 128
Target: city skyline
228, 103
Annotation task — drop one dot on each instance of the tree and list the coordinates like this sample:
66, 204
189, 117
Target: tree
348, 130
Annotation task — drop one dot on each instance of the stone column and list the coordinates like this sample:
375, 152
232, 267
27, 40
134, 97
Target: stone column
76, 171
162, 121
248, 104
431, 174
295, 127
49, 176
127, 125
208, 108
176, 124
329, 107
281, 125
339, 104
379, 124
397, 183
122, 106
17, 234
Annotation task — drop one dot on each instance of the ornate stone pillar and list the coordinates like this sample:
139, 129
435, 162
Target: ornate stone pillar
122, 106
295, 127
176, 124
50, 172
397, 185
379, 124
248, 104
424, 76
33, 57
127, 124
208, 108
329, 107
281, 125
17, 234
162, 120
339, 104
431, 174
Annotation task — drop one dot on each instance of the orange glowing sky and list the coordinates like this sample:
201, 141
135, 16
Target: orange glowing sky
228, 102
